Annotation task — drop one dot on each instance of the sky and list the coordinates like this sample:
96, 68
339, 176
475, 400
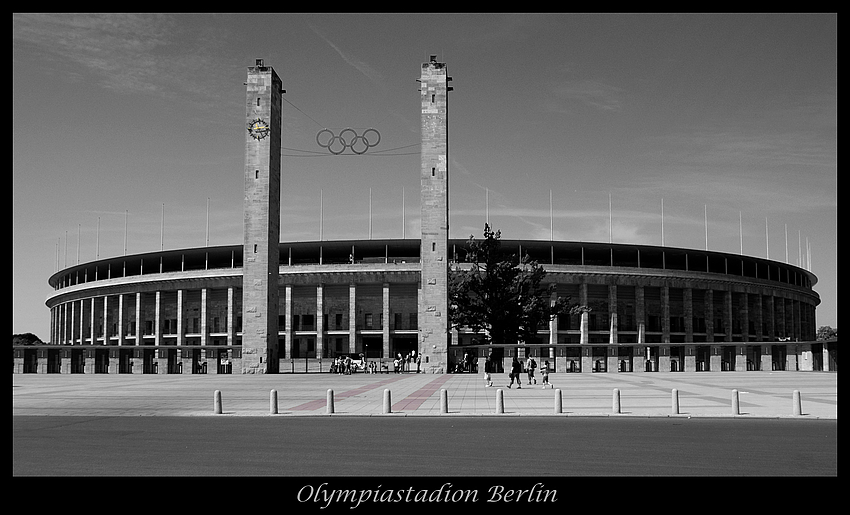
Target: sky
131, 127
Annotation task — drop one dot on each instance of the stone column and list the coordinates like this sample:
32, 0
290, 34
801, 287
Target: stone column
287, 324
665, 314
139, 329
204, 331
727, 315
120, 319
688, 308
612, 315
320, 321
106, 320
640, 314
93, 328
352, 318
759, 317
180, 319
741, 358
386, 319
771, 319
582, 294
709, 315
434, 182
230, 327
744, 309
157, 327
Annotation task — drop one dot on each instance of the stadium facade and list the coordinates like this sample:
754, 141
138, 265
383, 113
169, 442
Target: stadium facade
271, 307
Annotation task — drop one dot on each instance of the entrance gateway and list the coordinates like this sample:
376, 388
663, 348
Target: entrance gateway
261, 220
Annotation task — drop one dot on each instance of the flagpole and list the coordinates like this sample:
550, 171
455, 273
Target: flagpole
786, 244
766, 240
162, 227
208, 222
741, 231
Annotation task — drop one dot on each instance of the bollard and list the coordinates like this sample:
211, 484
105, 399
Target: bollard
444, 401
273, 402
675, 402
558, 404
616, 406
500, 401
330, 408
218, 402
736, 407
387, 402
798, 407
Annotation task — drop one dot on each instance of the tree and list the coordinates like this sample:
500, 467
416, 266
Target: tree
826, 332
502, 294
25, 339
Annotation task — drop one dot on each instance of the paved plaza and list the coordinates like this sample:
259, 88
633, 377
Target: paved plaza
699, 394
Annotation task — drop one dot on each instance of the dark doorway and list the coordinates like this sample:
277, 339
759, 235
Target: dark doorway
30, 361
54, 361
677, 355
754, 358
173, 363
779, 354
101, 361
125, 361
149, 364
78, 361
727, 360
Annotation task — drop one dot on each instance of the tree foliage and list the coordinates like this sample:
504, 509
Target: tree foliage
25, 339
502, 294
826, 332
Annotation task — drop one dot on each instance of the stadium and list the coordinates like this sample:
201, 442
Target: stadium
266, 306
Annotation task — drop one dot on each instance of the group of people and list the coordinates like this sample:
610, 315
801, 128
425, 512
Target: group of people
403, 363
516, 371
344, 365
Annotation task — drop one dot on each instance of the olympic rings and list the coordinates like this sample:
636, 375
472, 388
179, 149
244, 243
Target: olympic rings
347, 138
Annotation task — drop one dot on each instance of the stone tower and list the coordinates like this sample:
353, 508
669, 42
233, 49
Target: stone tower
261, 221
433, 318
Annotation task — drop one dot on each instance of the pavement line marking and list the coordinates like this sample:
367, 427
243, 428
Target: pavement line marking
321, 403
414, 400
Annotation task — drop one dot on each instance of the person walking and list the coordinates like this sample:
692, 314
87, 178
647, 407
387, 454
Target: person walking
516, 370
488, 368
530, 366
544, 370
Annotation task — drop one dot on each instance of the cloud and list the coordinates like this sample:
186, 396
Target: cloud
588, 92
370, 73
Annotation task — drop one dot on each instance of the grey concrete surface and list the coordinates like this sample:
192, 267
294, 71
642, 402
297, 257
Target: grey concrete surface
700, 394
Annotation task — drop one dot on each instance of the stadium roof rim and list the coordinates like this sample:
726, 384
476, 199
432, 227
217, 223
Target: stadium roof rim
400, 248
